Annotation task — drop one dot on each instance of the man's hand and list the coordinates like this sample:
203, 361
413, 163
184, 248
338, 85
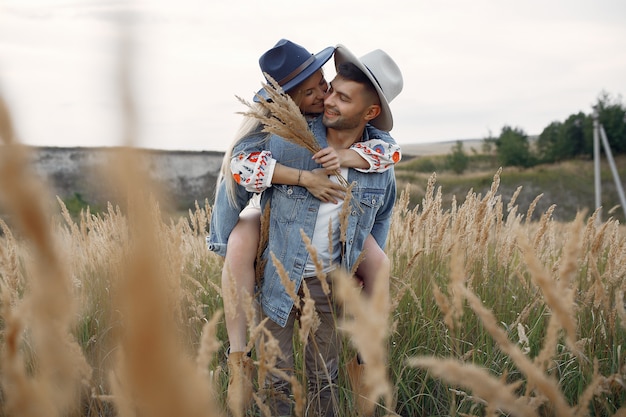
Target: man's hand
322, 188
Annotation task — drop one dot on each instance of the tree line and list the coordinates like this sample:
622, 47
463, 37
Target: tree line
559, 141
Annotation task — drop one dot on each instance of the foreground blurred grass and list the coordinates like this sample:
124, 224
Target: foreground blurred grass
551, 333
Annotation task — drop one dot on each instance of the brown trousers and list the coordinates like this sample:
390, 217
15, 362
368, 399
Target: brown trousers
321, 358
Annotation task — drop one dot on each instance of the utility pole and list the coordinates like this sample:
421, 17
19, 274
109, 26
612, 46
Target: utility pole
600, 134
596, 162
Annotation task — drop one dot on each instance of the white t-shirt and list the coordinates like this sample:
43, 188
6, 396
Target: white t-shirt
328, 214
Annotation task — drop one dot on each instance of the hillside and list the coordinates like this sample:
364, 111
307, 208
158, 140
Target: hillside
72, 174
77, 173
568, 185
438, 148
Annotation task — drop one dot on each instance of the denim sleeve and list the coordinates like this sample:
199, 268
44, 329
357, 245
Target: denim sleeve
374, 133
382, 223
224, 217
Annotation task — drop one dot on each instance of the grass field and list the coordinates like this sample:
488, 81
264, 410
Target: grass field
492, 313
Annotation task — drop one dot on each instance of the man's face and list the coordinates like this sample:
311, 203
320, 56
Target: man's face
345, 105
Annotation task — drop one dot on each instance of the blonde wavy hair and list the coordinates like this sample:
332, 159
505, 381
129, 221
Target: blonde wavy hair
249, 126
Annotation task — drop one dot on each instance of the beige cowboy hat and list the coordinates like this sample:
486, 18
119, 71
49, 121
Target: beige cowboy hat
384, 74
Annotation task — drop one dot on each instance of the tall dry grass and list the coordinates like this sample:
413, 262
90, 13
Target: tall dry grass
118, 313
531, 308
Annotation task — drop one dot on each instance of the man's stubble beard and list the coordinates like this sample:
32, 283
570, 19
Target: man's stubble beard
341, 123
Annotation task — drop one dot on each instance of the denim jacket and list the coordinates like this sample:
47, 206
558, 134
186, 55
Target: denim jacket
224, 216
293, 208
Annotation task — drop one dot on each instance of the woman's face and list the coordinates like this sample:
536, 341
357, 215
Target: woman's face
309, 95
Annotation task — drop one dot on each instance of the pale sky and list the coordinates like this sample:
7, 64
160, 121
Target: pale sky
469, 67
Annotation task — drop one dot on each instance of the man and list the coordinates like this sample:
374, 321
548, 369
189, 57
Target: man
234, 231
359, 95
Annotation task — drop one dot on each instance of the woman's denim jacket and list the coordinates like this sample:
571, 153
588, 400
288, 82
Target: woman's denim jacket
293, 208
224, 216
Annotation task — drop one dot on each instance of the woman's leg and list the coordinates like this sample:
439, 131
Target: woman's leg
375, 269
237, 289
238, 276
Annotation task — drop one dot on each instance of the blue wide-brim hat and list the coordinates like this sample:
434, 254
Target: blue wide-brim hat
289, 64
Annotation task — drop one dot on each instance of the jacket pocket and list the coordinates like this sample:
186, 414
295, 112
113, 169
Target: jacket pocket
369, 202
287, 203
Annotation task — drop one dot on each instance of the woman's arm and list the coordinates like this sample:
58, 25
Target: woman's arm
374, 155
316, 182
379, 155
257, 171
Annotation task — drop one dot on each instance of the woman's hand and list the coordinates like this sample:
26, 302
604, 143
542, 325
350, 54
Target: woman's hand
322, 188
328, 158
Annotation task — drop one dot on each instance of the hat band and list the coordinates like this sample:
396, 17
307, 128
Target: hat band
374, 77
297, 71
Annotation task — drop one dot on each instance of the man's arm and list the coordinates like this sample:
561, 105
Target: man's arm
382, 222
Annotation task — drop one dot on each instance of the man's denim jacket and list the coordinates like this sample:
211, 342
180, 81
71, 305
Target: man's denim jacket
293, 208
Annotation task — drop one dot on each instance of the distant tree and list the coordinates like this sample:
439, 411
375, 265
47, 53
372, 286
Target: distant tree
513, 148
547, 142
458, 159
574, 137
577, 136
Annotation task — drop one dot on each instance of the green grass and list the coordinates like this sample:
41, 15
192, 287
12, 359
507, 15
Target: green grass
425, 241
569, 185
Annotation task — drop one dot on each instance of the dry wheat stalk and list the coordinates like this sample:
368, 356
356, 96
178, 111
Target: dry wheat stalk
595, 387
484, 385
284, 119
209, 344
544, 384
263, 408
560, 298
290, 286
7, 131
268, 352
344, 216
153, 375
261, 262
366, 323
531, 208
619, 307
47, 309
319, 267
309, 320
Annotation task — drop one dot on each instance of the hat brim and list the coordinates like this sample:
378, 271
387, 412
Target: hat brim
321, 58
384, 121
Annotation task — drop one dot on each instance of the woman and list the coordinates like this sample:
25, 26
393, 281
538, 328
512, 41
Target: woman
300, 75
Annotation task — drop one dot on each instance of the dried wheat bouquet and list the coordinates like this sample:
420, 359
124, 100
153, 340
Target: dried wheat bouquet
283, 117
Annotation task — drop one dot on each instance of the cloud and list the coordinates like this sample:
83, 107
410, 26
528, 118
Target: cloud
469, 67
